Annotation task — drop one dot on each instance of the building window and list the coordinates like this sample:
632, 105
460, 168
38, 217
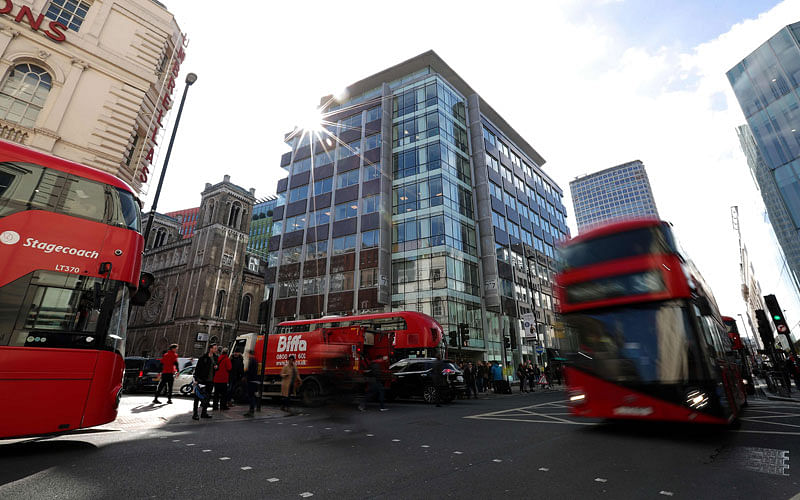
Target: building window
345, 244
220, 303
291, 255
70, 13
371, 204
244, 314
298, 193
372, 171
24, 93
346, 179
369, 278
370, 239
351, 149
372, 142
341, 281
235, 215
323, 186
346, 210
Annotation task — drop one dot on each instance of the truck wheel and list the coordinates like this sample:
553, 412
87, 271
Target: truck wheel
430, 393
311, 393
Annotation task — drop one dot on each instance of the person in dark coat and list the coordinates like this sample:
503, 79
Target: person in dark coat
522, 375
470, 379
204, 378
252, 381
439, 380
237, 376
479, 374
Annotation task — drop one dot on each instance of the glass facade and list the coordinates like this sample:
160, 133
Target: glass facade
388, 217
615, 193
766, 84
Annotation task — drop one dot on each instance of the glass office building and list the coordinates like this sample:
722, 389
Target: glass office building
418, 196
614, 193
766, 85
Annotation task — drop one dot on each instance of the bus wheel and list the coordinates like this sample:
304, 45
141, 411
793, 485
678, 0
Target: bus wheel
311, 393
430, 394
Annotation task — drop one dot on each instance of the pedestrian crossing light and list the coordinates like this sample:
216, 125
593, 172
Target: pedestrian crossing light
777, 314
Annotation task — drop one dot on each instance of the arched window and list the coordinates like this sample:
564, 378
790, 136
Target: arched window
220, 303
160, 237
23, 94
210, 213
234, 215
244, 314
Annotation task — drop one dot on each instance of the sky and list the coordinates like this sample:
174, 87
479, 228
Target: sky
589, 84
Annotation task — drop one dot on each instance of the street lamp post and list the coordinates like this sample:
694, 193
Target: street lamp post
190, 79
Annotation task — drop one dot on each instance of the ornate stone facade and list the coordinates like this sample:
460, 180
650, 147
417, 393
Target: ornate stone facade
207, 287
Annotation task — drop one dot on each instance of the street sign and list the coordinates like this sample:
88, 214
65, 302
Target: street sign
539, 350
202, 337
782, 328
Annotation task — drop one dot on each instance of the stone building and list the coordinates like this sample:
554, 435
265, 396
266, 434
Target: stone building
207, 287
90, 81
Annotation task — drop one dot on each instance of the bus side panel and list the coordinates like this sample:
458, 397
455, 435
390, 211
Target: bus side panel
604, 399
103, 400
43, 390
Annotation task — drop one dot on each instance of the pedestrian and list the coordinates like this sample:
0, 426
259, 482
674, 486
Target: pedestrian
479, 376
251, 379
530, 373
221, 377
439, 381
236, 377
487, 376
375, 388
497, 376
521, 376
204, 380
470, 378
169, 365
290, 381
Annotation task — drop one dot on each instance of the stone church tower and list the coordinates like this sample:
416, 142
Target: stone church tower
206, 288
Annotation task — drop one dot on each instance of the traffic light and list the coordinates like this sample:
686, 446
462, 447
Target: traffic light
463, 329
453, 338
507, 342
764, 328
777, 314
142, 294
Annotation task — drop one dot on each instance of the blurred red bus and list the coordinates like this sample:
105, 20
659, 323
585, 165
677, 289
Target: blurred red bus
651, 342
70, 254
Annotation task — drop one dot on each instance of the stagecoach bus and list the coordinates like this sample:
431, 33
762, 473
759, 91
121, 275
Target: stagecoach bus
651, 342
70, 255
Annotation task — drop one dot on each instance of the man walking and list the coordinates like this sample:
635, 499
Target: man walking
169, 365
290, 380
521, 374
469, 378
252, 381
236, 377
221, 376
204, 378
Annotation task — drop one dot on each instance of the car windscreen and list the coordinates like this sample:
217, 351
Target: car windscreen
134, 364
152, 365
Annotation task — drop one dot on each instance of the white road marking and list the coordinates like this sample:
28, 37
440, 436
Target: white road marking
497, 460
327, 428
425, 446
246, 467
395, 440
224, 458
348, 430
600, 480
309, 426
531, 414
190, 444
206, 451
543, 469
458, 453
370, 435
306, 494
294, 425
666, 493
175, 440
273, 480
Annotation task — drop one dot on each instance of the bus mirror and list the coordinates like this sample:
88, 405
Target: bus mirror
704, 306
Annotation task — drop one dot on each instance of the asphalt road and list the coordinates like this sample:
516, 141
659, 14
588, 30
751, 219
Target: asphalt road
521, 445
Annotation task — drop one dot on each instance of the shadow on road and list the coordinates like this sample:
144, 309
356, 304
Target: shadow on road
46, 454
671, 431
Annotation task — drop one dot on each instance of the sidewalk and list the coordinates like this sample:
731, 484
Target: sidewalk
763, 390
137, 411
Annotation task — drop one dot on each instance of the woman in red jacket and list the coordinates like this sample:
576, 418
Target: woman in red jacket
221, 381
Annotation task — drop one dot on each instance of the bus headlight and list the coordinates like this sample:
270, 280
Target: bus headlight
577, 397
696, 399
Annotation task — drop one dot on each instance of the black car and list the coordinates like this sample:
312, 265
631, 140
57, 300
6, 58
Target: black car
413, 377
141, 374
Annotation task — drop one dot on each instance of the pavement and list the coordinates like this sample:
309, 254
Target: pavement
763, 390
137, 411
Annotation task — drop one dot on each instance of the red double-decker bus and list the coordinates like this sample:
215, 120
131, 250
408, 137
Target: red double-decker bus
415, 334
651, 344
70, 254
743, 355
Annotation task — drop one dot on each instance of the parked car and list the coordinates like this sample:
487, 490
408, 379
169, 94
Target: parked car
183, 381
141, 374
413, 377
